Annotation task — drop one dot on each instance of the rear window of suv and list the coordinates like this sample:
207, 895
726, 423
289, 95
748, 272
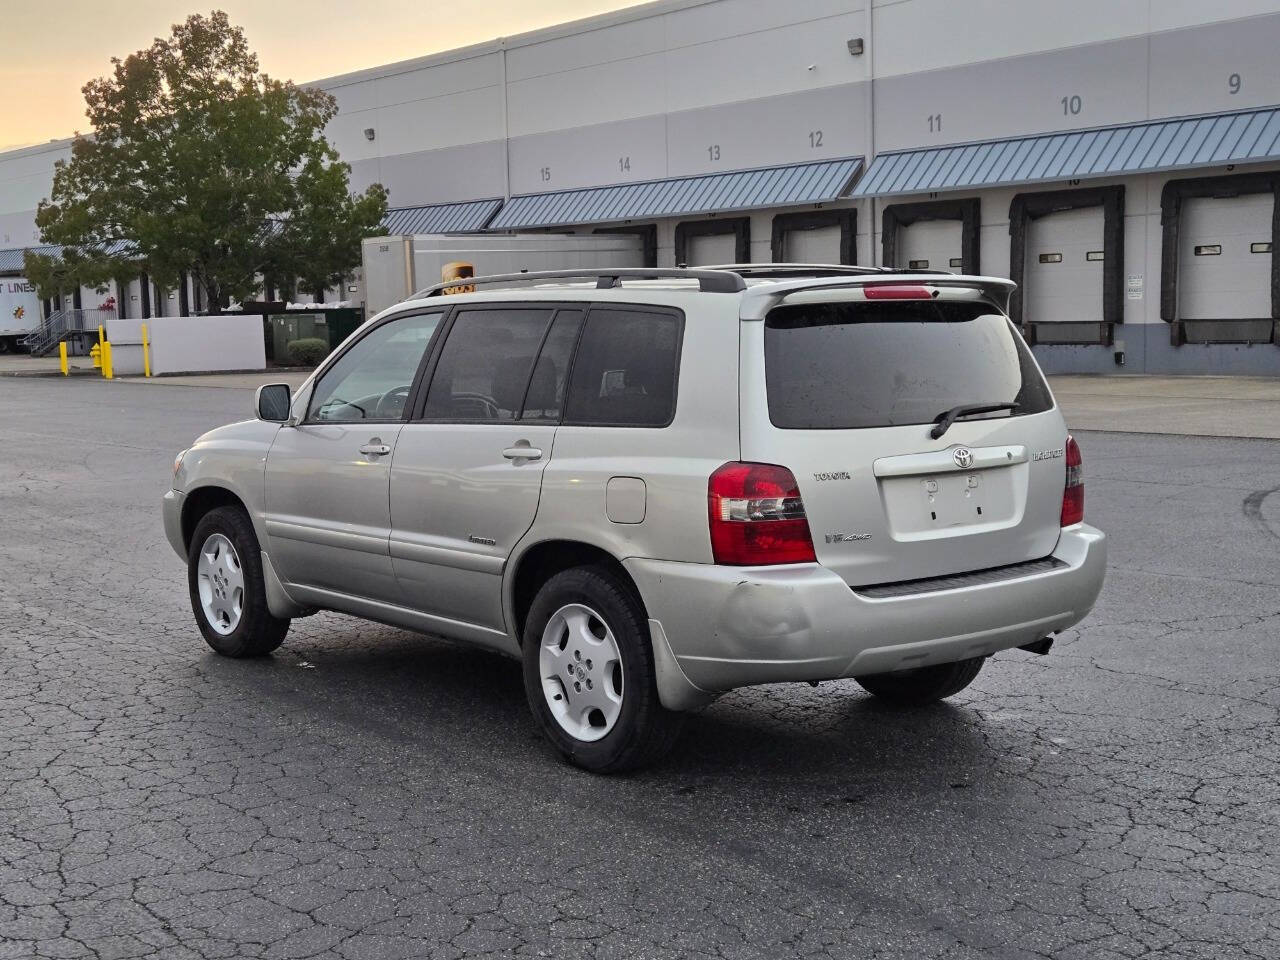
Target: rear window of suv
833, 366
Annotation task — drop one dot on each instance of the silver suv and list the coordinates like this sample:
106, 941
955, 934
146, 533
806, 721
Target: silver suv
653, 486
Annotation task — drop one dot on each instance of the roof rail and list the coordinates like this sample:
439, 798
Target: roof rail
709, 281
780, 271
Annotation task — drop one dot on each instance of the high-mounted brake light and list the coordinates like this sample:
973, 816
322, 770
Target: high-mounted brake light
1073, 494
890, 291
757, 516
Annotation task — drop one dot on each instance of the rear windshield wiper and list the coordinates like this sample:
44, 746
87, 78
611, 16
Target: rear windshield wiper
943, 421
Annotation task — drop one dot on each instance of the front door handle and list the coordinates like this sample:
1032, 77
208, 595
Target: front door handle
522, 451
375, 448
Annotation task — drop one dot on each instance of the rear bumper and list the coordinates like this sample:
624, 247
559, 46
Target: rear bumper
728, 627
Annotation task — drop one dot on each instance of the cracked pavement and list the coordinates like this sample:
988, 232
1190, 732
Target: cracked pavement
370, 793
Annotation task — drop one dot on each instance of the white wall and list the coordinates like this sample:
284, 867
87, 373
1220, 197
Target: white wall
125, 337
206, 344
25, 178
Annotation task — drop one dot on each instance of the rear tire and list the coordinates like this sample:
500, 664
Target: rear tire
913, 688
228, 596
589, 673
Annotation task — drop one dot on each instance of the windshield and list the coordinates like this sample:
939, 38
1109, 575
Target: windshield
834, 366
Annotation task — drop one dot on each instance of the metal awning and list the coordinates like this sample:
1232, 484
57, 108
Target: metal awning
1205, 141
12, 261
470, 216
792, 185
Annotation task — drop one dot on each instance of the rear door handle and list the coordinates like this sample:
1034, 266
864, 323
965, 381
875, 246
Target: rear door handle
375, 448
522, 451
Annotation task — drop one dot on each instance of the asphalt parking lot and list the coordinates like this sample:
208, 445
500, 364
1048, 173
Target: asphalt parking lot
371, 793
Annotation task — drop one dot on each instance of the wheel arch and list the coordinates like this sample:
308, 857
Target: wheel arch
198, 502
540, 561
203, 499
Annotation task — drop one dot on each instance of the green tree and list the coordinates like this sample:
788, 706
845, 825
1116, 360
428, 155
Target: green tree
320, 242
202, 163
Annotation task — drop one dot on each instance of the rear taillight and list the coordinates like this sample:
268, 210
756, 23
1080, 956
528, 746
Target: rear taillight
1073, 495
757, 516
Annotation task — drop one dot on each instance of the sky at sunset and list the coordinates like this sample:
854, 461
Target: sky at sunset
54, 46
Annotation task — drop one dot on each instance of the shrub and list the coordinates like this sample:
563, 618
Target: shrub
307, 352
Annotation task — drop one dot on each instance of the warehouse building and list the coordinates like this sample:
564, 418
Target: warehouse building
1118, 158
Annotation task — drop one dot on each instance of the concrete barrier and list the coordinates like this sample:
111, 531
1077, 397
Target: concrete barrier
189, 344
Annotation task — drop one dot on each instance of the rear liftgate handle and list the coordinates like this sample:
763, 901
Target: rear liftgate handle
522, 451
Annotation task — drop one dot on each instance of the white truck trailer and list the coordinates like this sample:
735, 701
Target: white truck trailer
395, 267
19, 311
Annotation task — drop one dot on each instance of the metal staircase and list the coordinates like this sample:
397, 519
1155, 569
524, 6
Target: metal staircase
64, 325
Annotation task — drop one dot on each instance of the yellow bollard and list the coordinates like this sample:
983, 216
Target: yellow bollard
106, 359
62, 357
146, 353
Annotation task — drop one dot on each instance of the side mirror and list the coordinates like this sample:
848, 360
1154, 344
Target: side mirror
272, 402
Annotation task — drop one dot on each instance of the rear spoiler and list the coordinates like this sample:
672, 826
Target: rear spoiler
759, 300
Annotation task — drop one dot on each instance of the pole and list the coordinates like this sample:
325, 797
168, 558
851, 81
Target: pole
874, 258
62, 357
146, 352
106, 360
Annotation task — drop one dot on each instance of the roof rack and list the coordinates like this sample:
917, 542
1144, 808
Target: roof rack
709, 281
787, 271
773, 271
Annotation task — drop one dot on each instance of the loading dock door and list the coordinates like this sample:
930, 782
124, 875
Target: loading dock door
930, 245
712, 249
1064, 274
1224, 260
818, 245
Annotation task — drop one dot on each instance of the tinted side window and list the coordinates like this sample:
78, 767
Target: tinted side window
544, 400
371, 380
625, 370
485, 364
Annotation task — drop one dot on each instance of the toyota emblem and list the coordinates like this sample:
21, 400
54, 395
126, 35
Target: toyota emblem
963, 457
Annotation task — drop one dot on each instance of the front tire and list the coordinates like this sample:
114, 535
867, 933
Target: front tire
913, 688
589, 673
224, 578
